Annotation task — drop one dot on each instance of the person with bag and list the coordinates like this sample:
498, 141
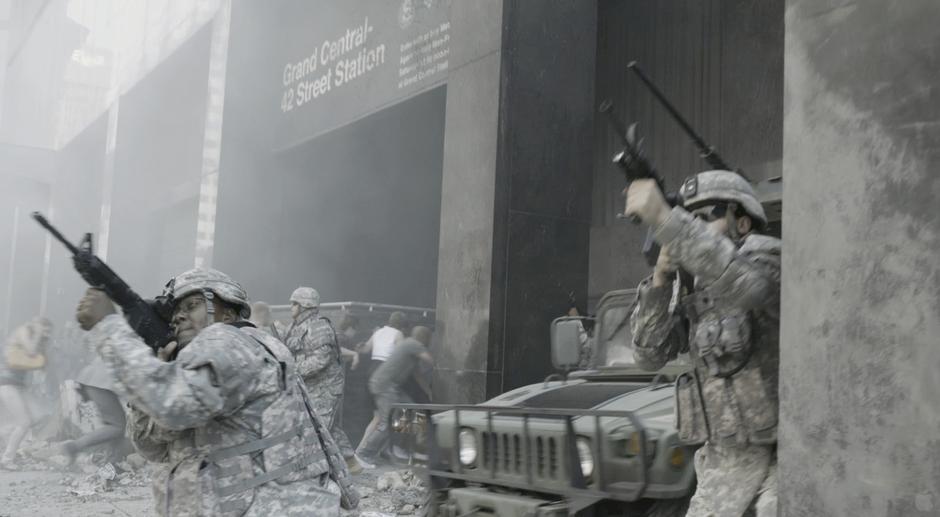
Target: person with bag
387, 386
228, 422
23, 352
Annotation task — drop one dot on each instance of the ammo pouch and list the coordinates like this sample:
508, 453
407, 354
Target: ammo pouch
758, 407
728, 411
722, 338
193, 487
691, 419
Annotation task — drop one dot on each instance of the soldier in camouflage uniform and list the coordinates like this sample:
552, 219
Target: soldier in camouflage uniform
313, 341
728, 321
228, 422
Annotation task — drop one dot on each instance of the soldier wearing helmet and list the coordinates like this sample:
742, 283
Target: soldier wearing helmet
728, 321
315, 346
228, 422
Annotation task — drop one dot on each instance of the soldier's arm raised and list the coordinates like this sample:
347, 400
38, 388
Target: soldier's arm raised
747, 277
214, 375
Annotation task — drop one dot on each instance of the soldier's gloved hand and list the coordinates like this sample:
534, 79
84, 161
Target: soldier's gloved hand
93, 307
665, 268
646, 201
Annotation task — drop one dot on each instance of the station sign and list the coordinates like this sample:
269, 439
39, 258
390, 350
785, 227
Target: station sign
340, 61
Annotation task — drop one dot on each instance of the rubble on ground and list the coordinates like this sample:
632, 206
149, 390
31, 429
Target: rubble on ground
389, 492
44, 484
93, 481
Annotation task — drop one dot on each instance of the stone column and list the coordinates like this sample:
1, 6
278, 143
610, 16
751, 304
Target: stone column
515, 216
861, 233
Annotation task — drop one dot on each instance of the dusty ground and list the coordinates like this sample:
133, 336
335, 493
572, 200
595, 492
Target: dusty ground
47, 493
92, 487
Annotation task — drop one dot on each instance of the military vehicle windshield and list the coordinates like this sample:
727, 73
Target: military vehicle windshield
613, 340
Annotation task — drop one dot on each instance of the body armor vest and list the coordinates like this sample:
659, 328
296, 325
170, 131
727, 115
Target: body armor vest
230, 460
730, 397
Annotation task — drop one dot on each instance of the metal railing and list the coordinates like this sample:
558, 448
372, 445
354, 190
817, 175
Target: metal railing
577, 484
425, 312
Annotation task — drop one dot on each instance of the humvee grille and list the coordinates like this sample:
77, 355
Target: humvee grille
505, 453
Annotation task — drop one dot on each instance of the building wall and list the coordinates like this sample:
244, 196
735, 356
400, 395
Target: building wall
861, 286
720, 62
515, 211
157, 165
77, 193
24, 242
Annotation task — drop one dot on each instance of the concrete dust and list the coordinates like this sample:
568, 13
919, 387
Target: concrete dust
44, 486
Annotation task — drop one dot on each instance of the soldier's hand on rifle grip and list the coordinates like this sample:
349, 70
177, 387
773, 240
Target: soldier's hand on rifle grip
646, 201
165, 353
665, 268
93, 307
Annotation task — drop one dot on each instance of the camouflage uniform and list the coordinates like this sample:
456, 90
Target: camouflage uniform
730, 327
226, 422
314, 344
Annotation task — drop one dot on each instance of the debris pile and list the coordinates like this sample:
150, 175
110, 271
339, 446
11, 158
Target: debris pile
387, 492
107, 477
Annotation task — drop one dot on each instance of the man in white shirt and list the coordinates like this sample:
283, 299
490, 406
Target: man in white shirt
381, 345
383, 340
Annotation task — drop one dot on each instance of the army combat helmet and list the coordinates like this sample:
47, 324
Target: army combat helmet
306, 297
710, 187
211, 283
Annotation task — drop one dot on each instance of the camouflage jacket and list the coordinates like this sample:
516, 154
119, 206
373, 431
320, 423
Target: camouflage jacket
729, 324
227, 421
313, 342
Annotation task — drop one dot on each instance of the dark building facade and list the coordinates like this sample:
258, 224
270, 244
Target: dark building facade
332, 150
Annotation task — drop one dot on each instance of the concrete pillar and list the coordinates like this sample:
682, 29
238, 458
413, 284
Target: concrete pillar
515, 216
860, 334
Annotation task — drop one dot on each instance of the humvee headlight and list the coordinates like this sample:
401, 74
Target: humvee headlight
627, 443
677, 457
633, 444
586, 455
467, 443
399, 420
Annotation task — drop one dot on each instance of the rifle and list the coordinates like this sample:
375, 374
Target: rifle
707, 152
147, 318
635, 166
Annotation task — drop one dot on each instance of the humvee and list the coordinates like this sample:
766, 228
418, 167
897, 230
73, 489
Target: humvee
599, 440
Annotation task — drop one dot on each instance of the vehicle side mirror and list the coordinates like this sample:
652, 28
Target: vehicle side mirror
568, 335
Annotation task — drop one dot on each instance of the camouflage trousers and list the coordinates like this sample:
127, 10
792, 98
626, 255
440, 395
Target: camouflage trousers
732, 480
329, 407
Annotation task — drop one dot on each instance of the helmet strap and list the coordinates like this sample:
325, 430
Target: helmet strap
210, 305
732, 221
